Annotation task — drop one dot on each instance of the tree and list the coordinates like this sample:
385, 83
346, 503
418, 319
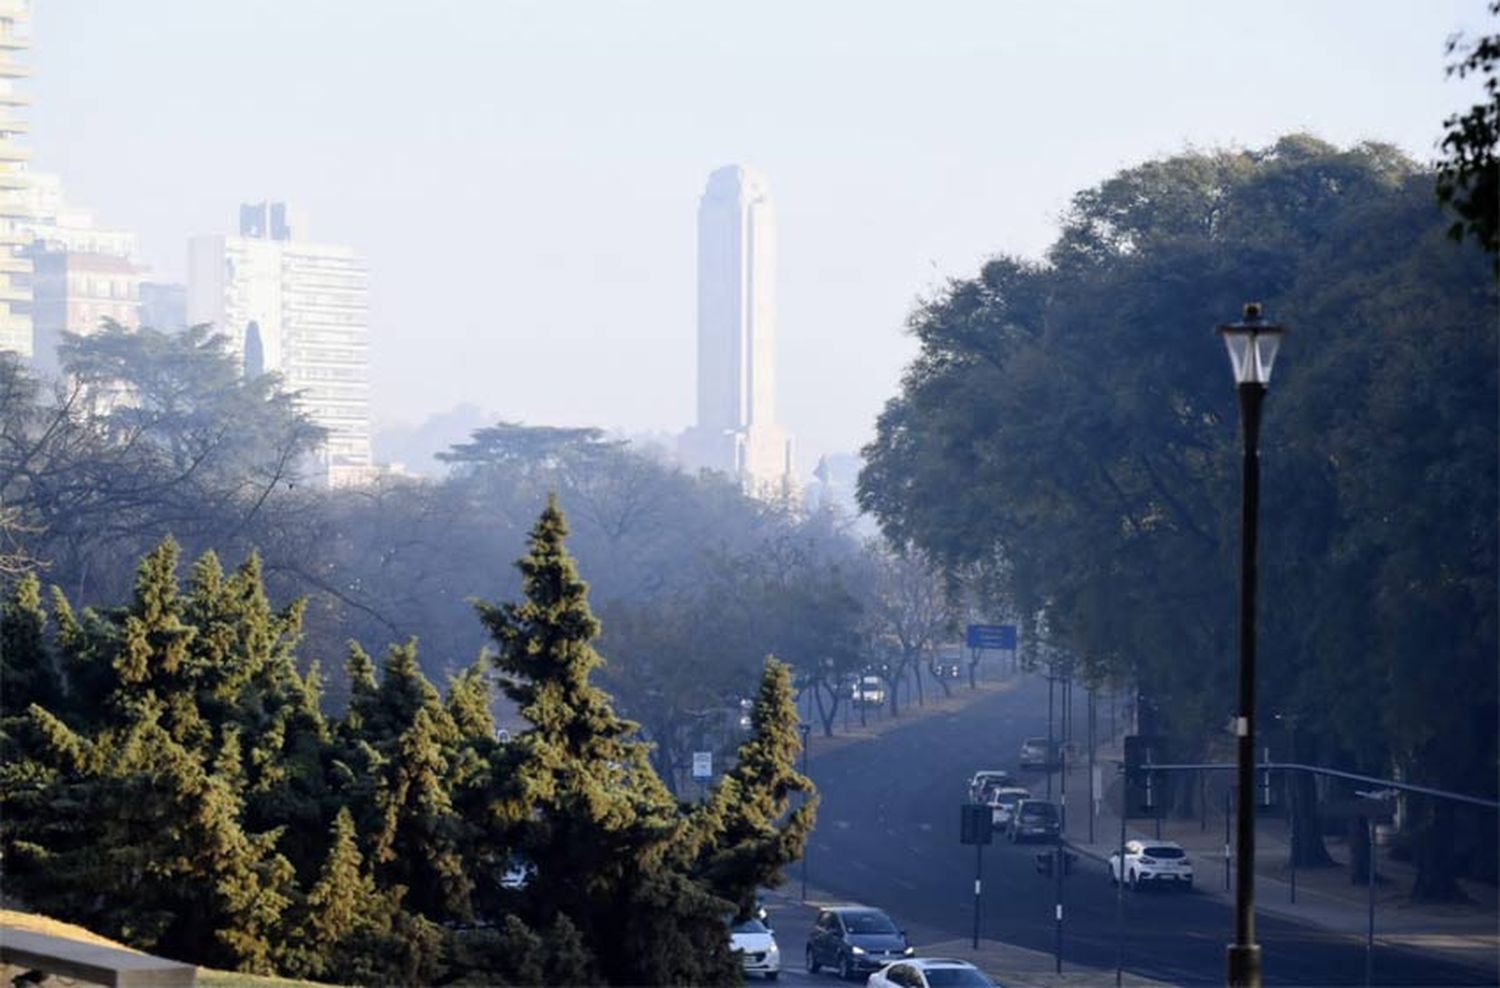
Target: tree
1468, 177
1085, 403
747, 833
590, 812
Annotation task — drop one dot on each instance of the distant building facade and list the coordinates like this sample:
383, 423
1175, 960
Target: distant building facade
15, 202
736, 431
82, 274
163, 306
298, 308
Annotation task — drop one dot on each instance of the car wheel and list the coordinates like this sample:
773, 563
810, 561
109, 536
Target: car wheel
846, 969
1135, 882
813, 967
772, 975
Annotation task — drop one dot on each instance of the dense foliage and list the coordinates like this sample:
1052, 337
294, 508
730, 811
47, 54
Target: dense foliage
1068, 435
170, 778
1468, 177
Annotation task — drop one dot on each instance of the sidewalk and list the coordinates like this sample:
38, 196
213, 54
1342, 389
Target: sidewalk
1325, 897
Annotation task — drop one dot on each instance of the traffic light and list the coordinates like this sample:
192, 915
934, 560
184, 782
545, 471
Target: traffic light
1147, 794
976, 824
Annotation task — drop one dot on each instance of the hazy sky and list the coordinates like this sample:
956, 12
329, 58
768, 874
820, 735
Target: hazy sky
523, 177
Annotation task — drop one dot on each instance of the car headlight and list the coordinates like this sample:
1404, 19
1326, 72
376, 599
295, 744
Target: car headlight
857, 950
909, 951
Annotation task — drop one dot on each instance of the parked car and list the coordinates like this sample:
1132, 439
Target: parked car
985, 780
868, 691
1038, 753
1036, 819
854, 940
1003, 805
1153, 862
930, 972
756, 943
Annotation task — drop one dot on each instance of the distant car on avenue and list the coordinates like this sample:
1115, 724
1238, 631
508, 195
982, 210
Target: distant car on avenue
930, 972
854, 940
868, 691
1003, 803
1153, 862
984, 781
1038, 753
1036, 819
756, 943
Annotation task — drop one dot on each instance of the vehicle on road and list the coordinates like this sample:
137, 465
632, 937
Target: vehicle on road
981, 783
1003, 805
1036, 819
1038, 753
756, 943
868, 691
931, 972
1153, 862
854, 940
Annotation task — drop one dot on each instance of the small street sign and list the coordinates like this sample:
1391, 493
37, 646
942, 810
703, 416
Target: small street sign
703, 765
997, 636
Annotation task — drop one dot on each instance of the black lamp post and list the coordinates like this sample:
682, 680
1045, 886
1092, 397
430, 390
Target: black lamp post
1252, 345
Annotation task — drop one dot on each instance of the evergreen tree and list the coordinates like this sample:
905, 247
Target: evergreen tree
27, 669
747, 834
588, 808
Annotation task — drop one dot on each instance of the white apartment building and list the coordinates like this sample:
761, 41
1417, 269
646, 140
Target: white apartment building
736, 430
82, 274
15, 270
299, 309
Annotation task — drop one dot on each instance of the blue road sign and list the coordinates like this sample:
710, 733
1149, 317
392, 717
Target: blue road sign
997, 636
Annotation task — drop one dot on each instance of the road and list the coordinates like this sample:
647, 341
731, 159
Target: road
887, 835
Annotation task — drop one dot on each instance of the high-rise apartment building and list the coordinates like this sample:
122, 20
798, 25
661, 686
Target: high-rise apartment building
15, 270
82, 274
736, 431
300, 309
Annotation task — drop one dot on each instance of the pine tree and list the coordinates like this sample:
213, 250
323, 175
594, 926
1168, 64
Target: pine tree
28, 673
589, 810
745, 831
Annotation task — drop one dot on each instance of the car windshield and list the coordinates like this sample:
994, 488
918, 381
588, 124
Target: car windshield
751, 925
870, 922
1039, 811
1009, 798
1164, 852
961, 977
1036, 742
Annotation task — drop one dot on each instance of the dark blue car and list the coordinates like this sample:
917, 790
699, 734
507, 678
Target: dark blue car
854, 940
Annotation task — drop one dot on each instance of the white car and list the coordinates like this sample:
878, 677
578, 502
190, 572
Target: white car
757, 946
1003, 804
930, 972
1153, 862
986, 779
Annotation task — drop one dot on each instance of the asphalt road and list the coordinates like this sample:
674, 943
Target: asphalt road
887, 836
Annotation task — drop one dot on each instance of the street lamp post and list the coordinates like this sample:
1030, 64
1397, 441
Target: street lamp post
1252, 345
806, 730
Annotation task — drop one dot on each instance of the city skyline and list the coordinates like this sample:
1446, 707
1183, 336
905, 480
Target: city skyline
569, 210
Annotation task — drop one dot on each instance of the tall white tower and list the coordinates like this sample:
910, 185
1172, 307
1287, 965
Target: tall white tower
736, 431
